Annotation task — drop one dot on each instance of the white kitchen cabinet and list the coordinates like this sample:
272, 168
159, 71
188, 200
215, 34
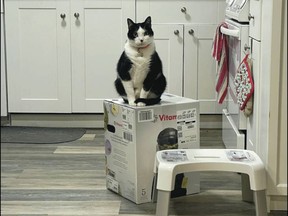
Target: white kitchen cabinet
180, 11
200, 67
62, 55
199, 20
169, 45
98, 34
38, 56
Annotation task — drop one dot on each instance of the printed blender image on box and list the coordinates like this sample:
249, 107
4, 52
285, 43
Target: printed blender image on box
134, 134
168, 139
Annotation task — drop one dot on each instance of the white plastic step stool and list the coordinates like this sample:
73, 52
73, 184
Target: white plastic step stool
169, 163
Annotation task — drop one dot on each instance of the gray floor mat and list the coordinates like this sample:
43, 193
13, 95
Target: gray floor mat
40, 135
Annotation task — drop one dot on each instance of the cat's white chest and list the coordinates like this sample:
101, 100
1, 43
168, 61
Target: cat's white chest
140, 64
139, 70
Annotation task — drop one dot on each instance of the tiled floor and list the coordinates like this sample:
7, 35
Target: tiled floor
69, 179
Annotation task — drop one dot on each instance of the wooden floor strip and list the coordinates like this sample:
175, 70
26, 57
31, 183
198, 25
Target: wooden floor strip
70, 208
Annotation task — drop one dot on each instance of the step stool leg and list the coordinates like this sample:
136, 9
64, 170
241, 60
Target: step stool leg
247, 193
163, 199
260, 203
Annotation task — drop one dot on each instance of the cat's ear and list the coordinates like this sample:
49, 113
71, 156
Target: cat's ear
148, 21
130, 23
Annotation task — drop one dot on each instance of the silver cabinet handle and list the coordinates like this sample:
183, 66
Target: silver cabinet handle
183, 9
250, 17
63, 16
191, 31
176, 32
76, 15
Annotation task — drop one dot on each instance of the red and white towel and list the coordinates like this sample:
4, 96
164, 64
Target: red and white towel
220, 54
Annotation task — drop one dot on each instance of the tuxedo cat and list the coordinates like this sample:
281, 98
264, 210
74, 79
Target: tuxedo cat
140, 80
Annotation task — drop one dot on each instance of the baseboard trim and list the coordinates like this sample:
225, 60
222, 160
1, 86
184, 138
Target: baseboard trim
277, 203
211, 121
58, 120
5, 121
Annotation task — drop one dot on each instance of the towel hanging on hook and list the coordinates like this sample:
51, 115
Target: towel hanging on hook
220, 54
244, 85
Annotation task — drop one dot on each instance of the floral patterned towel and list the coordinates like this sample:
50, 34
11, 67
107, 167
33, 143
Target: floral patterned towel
244, 84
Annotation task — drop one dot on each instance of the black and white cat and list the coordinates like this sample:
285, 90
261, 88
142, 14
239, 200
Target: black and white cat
140, 80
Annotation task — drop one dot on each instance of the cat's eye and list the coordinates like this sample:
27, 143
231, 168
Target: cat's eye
145, 33
135, 34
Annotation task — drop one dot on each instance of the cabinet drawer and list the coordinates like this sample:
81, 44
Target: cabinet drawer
232, 137
185, 11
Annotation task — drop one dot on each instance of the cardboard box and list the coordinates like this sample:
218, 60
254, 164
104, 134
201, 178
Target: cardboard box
134, 134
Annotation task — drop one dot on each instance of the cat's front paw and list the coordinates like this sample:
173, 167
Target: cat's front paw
141, 104
132, 103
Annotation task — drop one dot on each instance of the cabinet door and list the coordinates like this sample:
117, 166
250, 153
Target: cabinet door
200, 67
169, 45
38, 56
99, 30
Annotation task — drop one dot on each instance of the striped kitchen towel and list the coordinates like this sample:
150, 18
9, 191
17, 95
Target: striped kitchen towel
220, 54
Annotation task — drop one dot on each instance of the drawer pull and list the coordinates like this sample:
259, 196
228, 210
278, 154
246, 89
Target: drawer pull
191, 31
176, 32
183, 9
63, 16
250, 17
76, 15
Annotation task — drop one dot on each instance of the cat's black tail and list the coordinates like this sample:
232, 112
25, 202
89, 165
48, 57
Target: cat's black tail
148, 101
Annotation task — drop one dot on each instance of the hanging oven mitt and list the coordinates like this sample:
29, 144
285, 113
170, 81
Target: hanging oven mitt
244, 86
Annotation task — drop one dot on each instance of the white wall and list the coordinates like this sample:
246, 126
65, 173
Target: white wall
274, 68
